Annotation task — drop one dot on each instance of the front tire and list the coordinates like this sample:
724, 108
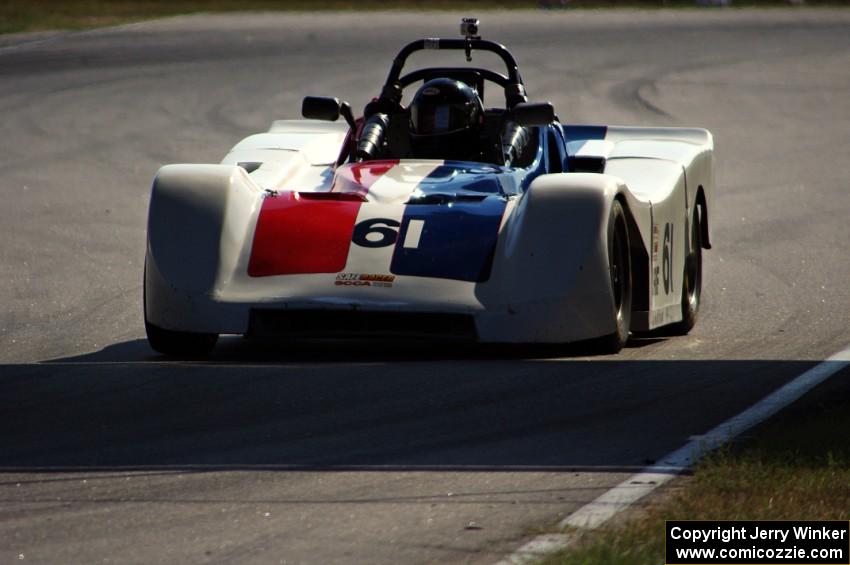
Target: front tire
620, 269
174, 343
179, 344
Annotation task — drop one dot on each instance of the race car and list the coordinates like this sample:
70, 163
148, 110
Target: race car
433, 216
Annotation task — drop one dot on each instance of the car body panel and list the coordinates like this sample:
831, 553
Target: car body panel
521, 251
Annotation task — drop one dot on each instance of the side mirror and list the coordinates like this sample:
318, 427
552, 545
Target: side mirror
320, 108
534, 114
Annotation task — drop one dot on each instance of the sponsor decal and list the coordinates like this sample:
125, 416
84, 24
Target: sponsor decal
364, 279
662, 270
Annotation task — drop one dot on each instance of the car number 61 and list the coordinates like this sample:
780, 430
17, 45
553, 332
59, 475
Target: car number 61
377, 232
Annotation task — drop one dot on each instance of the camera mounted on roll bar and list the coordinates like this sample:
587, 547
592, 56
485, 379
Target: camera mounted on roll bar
469, 30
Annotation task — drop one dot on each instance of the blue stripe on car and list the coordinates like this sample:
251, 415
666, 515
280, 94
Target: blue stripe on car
578, 133
458, 240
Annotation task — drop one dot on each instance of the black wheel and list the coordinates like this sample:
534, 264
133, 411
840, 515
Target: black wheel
692, 278
620, 269
178, 344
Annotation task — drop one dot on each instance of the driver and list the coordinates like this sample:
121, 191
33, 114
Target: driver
446, 117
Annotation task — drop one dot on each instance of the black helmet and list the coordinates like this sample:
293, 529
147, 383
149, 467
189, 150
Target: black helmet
445, 116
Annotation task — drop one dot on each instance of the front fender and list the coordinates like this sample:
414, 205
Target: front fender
550, 280
199, 219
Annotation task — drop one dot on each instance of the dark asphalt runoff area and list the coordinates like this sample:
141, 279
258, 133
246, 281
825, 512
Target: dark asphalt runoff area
383, 453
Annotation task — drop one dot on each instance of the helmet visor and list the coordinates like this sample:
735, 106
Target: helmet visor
429, 119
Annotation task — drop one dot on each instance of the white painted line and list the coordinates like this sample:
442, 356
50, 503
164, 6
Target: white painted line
32, 42
537, 549
606, 506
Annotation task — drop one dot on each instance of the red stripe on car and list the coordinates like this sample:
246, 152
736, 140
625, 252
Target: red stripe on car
359, 177
301, 235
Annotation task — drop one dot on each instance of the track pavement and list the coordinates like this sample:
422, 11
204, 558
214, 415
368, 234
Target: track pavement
383, 453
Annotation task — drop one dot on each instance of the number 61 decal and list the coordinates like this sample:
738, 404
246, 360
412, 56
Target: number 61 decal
667, 260
383, 232
664, 271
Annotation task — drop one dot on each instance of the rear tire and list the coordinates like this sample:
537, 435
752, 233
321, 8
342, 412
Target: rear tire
692, 278
620, 270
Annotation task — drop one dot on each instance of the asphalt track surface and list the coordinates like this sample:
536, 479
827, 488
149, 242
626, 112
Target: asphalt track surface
382, 453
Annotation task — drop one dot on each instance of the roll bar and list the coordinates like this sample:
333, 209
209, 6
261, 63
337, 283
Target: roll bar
421, 74
513, 85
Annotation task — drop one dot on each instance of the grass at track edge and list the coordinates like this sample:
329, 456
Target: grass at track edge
17, 16
796, 466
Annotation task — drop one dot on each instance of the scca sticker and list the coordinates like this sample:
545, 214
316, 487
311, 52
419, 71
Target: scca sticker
364, 279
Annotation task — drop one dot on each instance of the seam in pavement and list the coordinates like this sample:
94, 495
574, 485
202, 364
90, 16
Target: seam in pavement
595, 513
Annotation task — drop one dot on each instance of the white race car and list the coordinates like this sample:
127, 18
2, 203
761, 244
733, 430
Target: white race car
442, 218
